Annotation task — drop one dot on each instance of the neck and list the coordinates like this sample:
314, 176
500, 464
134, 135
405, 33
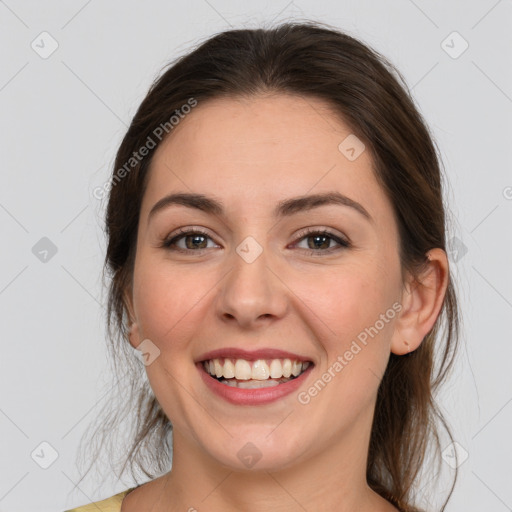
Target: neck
333, 480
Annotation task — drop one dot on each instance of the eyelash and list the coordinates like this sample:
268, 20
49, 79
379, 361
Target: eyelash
343, 244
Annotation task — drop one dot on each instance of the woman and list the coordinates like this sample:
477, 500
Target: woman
276, 241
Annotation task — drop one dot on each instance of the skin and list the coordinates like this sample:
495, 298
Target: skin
250, 154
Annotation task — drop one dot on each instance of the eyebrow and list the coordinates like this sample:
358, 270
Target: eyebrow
284, 208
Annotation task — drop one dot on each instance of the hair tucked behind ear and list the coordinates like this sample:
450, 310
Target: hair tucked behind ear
369, 94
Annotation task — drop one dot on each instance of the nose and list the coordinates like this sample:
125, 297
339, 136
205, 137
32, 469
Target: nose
252, 294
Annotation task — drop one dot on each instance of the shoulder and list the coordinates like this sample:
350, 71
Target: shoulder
112, 504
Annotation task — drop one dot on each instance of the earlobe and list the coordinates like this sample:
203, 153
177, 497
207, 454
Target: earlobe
421, 304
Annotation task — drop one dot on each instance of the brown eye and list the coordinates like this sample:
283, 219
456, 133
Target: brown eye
319, 241
194, 240
322, 241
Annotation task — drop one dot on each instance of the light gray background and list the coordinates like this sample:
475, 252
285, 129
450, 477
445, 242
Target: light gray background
61, 120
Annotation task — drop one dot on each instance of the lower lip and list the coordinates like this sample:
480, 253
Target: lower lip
257, 396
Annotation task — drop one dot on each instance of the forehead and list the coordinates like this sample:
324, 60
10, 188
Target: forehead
259, 150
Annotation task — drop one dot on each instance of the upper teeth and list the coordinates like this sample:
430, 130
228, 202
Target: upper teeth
260, 369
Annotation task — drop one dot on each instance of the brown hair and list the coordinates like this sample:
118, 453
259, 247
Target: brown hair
312, 60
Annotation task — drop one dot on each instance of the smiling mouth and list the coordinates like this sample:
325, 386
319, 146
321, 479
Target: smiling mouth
261, 373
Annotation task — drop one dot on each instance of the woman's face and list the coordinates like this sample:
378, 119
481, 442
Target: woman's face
262, 277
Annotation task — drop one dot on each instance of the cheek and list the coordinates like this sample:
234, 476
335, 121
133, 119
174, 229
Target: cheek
356, 304
169, 303
357, 307
349, 299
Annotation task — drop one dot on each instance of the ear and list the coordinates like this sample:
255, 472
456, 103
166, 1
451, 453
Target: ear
134, 334
422, 300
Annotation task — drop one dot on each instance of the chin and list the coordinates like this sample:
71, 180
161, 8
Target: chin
258, 452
